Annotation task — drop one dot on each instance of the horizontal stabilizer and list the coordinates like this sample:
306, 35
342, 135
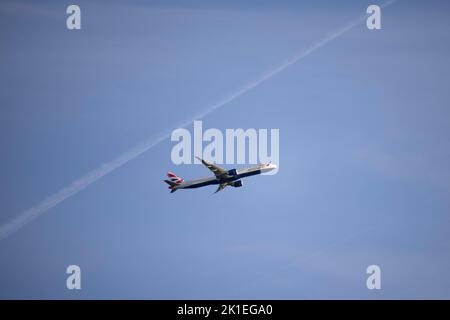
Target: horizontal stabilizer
170, 183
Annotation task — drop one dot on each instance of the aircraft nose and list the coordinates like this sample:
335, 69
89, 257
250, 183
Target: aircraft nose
271, 166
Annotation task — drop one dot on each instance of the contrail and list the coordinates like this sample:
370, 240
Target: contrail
81, 183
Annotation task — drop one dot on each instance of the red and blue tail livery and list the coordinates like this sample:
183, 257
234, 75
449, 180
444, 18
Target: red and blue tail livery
173, 181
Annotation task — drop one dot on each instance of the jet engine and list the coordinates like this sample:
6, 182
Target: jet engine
237, 183
232, 172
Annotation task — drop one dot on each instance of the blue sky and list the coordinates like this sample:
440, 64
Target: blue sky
364, 150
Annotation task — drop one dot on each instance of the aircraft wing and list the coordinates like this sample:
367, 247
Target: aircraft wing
219, 172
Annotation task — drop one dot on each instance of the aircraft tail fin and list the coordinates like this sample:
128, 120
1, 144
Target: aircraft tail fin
174, 181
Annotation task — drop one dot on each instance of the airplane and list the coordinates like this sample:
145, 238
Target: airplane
221, 177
